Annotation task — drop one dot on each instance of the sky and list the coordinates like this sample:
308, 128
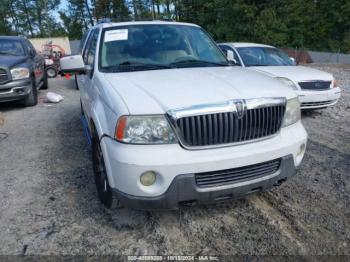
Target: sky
63, 5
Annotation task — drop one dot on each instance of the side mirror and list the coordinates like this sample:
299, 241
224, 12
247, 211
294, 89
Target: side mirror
231, 57
293, 60
73, 64
32, 53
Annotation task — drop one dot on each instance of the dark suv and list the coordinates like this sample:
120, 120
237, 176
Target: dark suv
22, 71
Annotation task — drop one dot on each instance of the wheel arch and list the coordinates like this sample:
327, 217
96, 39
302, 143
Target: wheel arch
99, 128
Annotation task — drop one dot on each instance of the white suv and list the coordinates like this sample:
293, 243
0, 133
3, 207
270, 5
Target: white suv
316, 89
173, 123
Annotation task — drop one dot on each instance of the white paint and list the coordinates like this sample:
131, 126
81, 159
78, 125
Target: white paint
108, 96
298, 74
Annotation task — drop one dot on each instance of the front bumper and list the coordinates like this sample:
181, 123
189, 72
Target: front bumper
125, 163
183, 191
15, 90
310, 99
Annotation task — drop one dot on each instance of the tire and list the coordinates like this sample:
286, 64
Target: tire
81, 108
104, 191
76, 82
45, 82
32, 98
51, 72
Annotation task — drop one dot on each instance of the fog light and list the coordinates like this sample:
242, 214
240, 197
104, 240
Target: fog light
19, 90
301, 149
148, 178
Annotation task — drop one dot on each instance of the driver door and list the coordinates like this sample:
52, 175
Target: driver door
38, 62
85, 81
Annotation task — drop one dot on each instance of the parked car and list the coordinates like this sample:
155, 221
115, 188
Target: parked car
173, 123
21, 71
316, 89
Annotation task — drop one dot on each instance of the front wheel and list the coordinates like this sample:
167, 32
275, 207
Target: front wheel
76, 82
45, 84
32, 98
101, 179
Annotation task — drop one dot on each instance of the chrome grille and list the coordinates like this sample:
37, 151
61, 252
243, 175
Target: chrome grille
3, 76
315, 85
226, 127
236, 175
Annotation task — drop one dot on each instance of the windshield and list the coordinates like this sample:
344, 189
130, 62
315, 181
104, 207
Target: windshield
11, 47
150, 47
264, 56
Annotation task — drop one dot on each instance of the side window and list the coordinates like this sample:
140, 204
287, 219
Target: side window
30, 47
90, 50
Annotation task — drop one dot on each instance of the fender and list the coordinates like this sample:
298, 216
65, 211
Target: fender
104, 121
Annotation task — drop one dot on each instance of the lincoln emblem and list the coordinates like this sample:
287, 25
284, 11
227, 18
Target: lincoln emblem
239, 112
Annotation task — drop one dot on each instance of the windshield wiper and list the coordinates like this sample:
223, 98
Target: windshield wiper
128, 66
190, 62
137, 64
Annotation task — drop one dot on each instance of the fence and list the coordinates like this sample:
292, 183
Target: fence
324, 57
63, 42
304, 56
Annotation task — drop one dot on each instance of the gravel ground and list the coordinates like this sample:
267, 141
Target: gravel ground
48, 200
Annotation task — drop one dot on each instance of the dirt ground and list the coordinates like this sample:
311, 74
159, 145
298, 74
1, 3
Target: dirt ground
48, 200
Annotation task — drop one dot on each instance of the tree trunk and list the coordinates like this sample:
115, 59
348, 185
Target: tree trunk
40, 21
134, 5
176, 10
27, 17
153, 10
168, 8
158, 8
89, 12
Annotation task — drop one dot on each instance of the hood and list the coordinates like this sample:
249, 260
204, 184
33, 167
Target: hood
155, 92
11, 61
295, 73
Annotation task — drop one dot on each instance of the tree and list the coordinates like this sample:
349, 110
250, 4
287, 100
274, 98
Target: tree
5, 18
114, 9
75, 19
314, 24
269, 28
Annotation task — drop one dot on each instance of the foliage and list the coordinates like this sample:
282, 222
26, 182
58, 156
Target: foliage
311, 24
29, 17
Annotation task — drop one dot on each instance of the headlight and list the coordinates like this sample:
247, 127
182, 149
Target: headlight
292, 114
287, 82
20, 73
144, 130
